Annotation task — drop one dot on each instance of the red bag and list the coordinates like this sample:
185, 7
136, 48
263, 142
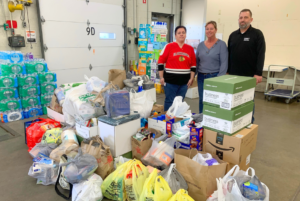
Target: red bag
36, 131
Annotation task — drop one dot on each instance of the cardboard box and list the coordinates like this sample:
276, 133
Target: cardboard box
227, 121
55, 115
158, 108
244, 165
232, 149
54, 105
192, 93
118, 138
140, 148
195, 83
228, 91
166, 127
87, 132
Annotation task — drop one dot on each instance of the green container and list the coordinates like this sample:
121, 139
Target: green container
33, 90
47, 88
10, 104
30, 101
148, 70
12, 69
8, 93
46, 98
47, 77
8, 81
36, 67
29, 79
227, 122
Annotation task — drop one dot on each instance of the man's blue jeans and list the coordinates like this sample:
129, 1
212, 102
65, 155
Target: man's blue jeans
201, 78
173, 90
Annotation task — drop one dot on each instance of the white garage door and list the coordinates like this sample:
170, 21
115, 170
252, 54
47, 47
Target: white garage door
67, 36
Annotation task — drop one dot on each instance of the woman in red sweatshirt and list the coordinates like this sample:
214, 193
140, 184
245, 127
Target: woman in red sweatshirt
177, 67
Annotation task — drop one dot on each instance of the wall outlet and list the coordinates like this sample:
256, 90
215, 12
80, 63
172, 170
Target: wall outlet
24, 24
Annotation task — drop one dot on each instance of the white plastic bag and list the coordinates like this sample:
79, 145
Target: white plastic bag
89, 190
182, 134
141, 103
119, 161
178, 108
94, 84
205, 159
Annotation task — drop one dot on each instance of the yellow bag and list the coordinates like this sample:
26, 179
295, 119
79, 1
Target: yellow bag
134, 180
181, 195
113, 187
155, 188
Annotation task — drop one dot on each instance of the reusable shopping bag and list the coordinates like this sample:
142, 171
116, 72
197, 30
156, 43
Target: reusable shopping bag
88, 190
201, 179
174, 178
181, 195
95, 147
135, 178
229, 186
141, 102
113, 187
155, 189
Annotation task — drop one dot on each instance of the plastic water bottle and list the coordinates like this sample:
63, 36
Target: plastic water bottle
12, 115
46, 98
59, 92
48, 87
33, 111
15, 57
30, 101
47, 77
8, 92
250, 191
12, 69
30, 90
44, 108
36, 66
28, 79
10, 104
9, 81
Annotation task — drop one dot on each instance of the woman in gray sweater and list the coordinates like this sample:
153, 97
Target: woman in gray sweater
212, 58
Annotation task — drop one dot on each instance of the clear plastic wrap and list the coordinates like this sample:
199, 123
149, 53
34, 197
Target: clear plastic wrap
118, 120
45, 149
117, 103
46, 174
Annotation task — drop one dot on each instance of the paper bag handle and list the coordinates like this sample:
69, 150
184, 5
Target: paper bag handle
191, 152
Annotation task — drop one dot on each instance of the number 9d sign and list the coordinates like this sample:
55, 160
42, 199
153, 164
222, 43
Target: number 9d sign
90, 31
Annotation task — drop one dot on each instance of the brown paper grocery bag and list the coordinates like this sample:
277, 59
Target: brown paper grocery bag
117, 76
102, 154
100, 98
54, 105
140, 148
158, 108
201, 179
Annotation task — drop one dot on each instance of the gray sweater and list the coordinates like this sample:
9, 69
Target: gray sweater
213, 60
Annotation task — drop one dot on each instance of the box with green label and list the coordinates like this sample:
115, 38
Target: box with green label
228, 91
227, 121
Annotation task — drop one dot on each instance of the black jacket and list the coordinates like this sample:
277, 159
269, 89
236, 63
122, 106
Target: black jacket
246, 52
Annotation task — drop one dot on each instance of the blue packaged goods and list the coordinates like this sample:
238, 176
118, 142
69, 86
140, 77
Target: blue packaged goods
117, 103
142, 31
151, 38
8, 92
42, 158
33, 111
31, 90
11, 115
118, 120
9, 81
28, 79
12, 69
157, 45
196, 138
10, 104
48, 87
143, 44
11, 56
148, 30
47, 77
30, 101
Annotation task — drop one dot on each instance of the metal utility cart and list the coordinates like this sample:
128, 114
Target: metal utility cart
283, 93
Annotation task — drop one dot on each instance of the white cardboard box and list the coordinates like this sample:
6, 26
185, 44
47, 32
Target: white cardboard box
118, 138
162, 126
86, 132
55, 115
192, 93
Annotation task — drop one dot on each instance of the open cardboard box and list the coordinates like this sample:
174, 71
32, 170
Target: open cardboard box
55, 115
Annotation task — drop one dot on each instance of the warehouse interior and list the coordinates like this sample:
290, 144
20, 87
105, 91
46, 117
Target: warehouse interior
58, 34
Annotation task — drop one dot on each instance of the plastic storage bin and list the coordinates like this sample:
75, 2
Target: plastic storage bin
11, 115
32, 90
28, 79
9, 81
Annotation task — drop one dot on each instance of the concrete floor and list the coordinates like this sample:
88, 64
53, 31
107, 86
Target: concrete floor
276, 159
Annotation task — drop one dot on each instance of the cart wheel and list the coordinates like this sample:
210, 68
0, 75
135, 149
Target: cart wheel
269, 98
287, 101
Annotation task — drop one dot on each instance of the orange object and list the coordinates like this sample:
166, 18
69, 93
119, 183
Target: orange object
142, 69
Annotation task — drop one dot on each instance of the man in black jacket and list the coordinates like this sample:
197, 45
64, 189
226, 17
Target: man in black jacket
246, 48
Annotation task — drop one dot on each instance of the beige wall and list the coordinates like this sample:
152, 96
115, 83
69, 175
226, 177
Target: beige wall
279, 20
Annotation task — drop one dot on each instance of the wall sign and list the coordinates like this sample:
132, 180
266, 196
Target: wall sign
30, 37
145, 1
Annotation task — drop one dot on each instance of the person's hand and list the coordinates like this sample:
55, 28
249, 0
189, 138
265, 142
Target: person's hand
258, 79
190, 82
162, 81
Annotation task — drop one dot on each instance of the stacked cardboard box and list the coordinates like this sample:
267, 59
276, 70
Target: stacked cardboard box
228, 103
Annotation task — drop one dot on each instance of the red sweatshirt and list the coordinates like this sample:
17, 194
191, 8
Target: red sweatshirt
179, 63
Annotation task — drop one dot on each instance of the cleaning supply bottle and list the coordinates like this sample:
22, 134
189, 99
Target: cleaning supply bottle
140, 83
